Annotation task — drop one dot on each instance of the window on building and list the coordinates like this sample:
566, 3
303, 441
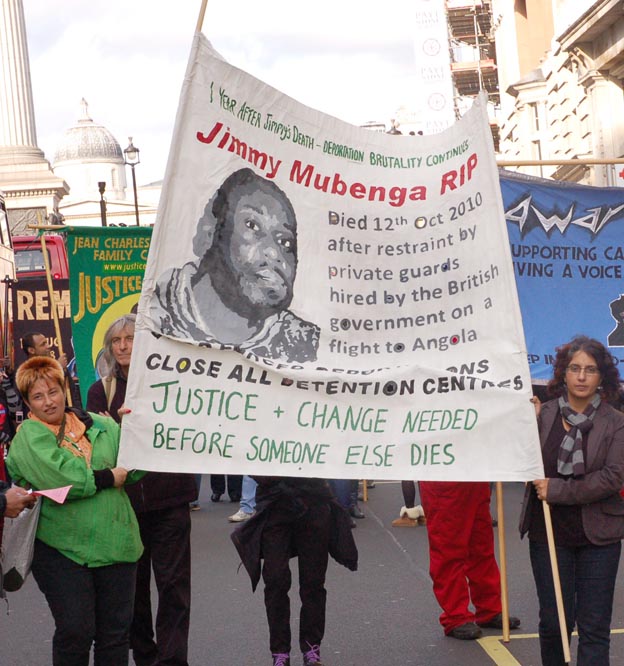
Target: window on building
536, 116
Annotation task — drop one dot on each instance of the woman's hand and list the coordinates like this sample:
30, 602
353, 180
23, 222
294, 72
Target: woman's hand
18, 499
538, 405
541, 487
122, 411
119, 474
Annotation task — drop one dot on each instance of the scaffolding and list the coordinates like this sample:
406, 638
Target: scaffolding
473, 53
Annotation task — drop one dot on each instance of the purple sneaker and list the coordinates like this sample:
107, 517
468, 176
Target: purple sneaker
281, 659
313, 656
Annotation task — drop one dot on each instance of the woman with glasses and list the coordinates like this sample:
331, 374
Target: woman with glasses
582, 439
86, 549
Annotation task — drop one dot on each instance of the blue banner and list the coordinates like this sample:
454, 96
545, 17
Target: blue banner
567, 245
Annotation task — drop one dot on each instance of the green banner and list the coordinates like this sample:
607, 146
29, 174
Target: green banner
106, 266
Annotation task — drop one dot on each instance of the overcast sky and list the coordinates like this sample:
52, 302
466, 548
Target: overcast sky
353, 59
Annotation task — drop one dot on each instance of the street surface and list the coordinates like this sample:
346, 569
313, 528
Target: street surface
384, 614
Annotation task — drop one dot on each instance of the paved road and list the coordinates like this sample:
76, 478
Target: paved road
384, 614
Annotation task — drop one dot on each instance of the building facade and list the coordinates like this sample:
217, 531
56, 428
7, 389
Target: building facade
90, 159
560, 68
70, 193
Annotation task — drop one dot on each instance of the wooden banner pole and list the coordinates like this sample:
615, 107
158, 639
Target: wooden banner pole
557, 582
202, 14
47, 227
53, 307
502, 547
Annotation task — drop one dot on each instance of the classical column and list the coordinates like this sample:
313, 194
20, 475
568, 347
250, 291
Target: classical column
605, 96
18, 135
31, 188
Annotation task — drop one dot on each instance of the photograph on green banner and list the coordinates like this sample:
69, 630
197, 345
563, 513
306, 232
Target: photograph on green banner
106, 267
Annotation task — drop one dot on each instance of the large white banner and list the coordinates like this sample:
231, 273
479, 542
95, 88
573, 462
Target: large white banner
321, 300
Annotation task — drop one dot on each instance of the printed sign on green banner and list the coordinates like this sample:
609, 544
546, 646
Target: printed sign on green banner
106, 266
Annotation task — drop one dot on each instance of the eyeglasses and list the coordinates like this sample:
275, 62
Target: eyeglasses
588, 370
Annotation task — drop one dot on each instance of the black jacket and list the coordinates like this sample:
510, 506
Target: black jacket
598, 491
3, 488
247, 537
156, 490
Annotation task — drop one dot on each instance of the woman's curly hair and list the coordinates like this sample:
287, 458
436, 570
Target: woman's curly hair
609, 375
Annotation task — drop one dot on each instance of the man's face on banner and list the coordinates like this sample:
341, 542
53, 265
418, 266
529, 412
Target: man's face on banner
258, 246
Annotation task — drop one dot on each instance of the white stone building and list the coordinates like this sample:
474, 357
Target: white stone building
87, 156
560, 68
31, 188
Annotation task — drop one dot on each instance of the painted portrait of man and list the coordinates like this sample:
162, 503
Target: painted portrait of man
240, 288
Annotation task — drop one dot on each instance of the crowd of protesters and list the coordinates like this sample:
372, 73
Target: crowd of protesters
95, 553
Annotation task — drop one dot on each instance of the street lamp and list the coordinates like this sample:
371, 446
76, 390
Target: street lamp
131, 158
102, 188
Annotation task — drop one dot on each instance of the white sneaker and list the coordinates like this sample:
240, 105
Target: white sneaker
240, 516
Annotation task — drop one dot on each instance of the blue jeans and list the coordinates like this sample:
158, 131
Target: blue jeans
198, 480
343, 490
248, 496
587, 576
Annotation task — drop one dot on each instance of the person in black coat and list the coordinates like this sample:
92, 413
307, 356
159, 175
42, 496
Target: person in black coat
295, 517
161, 502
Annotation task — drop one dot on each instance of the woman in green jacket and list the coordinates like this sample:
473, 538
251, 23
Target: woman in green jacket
87, 548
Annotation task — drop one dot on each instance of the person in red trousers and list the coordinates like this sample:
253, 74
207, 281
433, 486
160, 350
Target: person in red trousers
462, 563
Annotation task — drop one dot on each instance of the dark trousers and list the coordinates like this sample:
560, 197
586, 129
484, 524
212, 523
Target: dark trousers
587, 576
408, 490
309, 535
166, 536
234, 484
89, 606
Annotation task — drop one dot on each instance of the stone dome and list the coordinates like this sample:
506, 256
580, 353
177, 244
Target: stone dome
88, 142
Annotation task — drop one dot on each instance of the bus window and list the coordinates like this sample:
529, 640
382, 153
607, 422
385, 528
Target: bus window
29, 260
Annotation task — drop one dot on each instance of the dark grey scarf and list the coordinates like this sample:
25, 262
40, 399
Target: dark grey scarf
571, 461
